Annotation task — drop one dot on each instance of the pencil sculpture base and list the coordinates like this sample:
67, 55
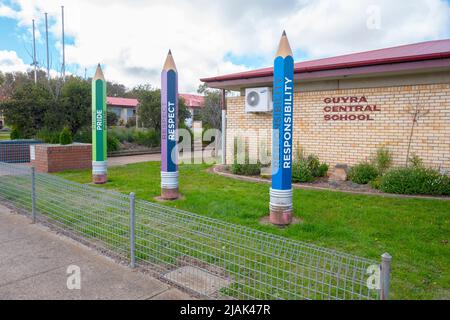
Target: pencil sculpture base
281, 208
169, 185
99, 172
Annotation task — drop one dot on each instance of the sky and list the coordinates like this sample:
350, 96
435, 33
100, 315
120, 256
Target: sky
207, 38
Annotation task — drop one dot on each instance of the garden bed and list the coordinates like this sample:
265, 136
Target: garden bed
323, 184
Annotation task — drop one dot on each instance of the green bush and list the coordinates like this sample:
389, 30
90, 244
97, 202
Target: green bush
113, 144
305, 169
301, 172
65, 137
48, 136
111, 118
383, 160
246, 169
415, 161
123, 134
148, 138
375, 184
15, 134
322, 170
131, 123
84, 135
363, 173
415, 181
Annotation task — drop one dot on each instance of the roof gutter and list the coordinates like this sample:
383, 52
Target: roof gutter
269, 72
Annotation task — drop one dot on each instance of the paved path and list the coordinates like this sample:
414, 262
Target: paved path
121, 161
124, 160
34, 262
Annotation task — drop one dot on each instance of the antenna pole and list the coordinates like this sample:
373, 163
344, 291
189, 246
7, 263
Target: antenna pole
63, 47
34, 54
46, 40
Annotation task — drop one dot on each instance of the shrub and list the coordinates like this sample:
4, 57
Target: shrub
375, 184
313, 164
301, 172
415, 181
15, 134
84, 135
131, 123
111, 118
246, 169
415, 161
65, 137
48, 136
149, 138
363, 173
123, 134
383, 160
305, 169
322, 170
113, 144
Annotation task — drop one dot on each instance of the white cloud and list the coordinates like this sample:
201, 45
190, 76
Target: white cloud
131, 38
10, 62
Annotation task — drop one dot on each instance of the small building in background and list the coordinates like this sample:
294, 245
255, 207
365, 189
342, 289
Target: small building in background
193, 103
124, 108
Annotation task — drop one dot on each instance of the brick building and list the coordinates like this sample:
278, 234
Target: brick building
347, 107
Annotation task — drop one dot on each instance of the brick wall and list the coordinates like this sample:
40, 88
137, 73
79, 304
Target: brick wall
56, 158
353, 141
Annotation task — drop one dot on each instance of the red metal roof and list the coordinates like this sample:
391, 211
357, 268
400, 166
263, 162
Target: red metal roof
437, 49
192, 100
122, 102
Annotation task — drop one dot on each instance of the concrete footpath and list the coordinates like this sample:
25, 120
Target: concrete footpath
34, 262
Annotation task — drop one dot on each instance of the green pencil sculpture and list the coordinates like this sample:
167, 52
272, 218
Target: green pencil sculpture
99, 128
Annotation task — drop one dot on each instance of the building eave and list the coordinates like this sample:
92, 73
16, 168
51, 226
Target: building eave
341, 73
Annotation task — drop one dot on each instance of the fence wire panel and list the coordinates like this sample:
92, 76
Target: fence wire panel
212, 258
221, 260
15, 186
16, 151
83, 212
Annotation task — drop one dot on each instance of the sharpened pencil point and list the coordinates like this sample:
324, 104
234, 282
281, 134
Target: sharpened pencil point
284, 49
169, 64
99, 73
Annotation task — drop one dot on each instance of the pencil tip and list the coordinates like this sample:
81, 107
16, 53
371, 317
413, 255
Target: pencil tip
169, 63
284, 49
99, 73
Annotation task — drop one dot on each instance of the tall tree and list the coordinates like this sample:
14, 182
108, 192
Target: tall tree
149, 109
211, 113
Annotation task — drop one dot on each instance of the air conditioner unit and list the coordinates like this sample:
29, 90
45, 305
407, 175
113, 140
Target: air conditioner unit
258, 100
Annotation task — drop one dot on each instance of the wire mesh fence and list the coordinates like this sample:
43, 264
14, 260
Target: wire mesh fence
16, 151
208, 257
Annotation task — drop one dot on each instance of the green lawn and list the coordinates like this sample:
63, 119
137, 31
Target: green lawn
414, 231
4, 135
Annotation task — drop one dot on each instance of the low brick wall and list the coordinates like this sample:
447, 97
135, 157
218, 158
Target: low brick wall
57, 158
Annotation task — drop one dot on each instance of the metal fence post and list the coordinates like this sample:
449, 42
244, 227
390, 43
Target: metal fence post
386, 259
33, 193
132, 229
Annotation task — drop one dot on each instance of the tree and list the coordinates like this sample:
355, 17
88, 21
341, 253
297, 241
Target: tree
32, 107
27, 108
116, 89
149, 109
76, 104
211, 113
111, 119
